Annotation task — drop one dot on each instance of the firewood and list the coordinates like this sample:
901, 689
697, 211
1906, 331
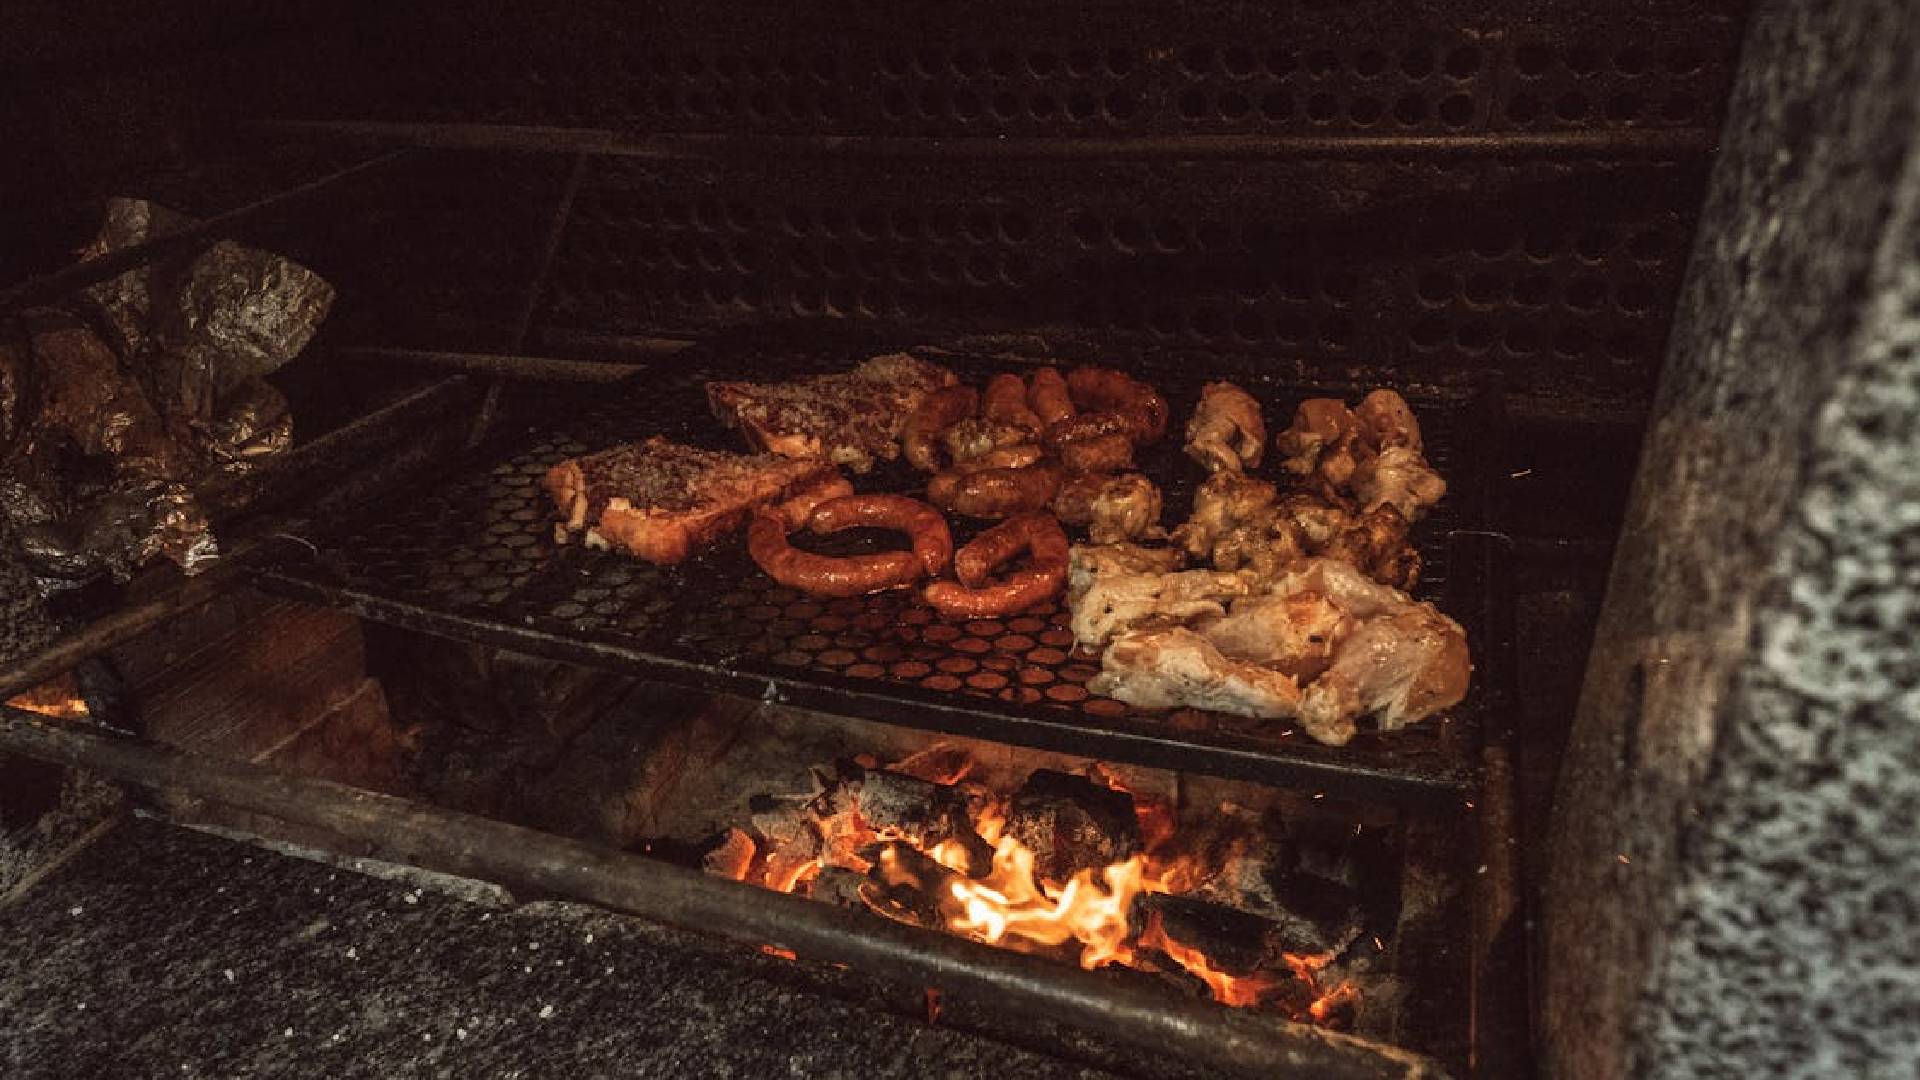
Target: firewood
1072, 824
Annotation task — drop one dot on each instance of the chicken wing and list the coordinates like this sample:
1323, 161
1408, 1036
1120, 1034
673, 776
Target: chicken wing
1399, 477
1226, 432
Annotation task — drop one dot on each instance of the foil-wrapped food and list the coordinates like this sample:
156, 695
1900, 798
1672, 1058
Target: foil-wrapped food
117, 405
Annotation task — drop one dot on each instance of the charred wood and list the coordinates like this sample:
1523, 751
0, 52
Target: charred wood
1072, 824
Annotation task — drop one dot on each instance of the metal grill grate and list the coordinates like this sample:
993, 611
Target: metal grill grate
475, 557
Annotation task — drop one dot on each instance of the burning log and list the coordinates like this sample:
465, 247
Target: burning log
732, 857
839, 886
1313, 915
1234, 942
924, 814
907, 886
1072, 824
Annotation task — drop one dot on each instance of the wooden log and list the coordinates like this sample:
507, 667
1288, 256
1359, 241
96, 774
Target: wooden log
1072, 824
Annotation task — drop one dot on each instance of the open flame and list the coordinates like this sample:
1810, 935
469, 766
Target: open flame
1012, 906
58, 697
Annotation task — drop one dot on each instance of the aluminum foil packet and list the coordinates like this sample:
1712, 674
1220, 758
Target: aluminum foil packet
117, 407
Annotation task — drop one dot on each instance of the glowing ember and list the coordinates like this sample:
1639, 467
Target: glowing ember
58, 697
1240, 991
1010, 904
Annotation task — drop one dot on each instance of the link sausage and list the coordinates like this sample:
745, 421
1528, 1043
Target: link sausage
932, 543
976, 596
825, 575
994, 493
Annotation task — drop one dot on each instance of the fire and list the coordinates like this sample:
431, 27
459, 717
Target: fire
1013, 907
1091, 909
1330, 1003
58, 697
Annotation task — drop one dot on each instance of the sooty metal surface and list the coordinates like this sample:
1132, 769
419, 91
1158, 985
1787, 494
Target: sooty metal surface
474, 557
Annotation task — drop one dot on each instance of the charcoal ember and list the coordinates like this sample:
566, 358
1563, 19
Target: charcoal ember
731, 857
1072, 824
839, 886
786, 835
1314, 916
922, 813
907, 886
1234, 942
1155, 969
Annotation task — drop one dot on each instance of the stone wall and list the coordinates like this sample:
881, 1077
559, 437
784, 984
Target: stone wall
1735, 849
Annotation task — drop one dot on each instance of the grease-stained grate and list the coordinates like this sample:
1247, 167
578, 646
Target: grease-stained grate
475, 557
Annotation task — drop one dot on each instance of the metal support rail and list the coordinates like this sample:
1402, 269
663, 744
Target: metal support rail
52, 286
1209, 1035
1648, 142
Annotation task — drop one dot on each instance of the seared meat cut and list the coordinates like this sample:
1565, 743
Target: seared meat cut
661, 500
853, 418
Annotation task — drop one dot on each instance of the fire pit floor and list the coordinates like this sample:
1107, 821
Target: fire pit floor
165, 952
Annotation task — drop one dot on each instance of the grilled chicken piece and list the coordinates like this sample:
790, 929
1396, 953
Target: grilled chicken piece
1400, 667
978, 436
1113, 508
1377, 544
1089, 561
1174, 666
1399, 477
1358, 647
1226, 432
1117, 602
1389, 420
1226, 501
1317, 424
1294, 634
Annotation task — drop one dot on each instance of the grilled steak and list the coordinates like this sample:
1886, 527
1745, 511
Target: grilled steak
852, 418
661, 500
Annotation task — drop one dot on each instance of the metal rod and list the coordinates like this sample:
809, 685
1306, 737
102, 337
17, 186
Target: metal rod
456, 843
1655, 142
530, 303
52, 286
544, 368
122, 626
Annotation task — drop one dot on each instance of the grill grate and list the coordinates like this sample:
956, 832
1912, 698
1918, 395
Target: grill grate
475, 557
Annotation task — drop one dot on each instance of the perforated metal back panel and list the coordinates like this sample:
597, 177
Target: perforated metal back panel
1435, 189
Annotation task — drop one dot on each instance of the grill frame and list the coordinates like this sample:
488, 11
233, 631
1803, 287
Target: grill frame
399, 560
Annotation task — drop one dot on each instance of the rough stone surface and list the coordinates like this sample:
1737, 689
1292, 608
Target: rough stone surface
1732, 887
164, 953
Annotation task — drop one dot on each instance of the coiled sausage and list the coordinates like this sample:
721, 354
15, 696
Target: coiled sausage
975, 595
932, 542
825, 575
